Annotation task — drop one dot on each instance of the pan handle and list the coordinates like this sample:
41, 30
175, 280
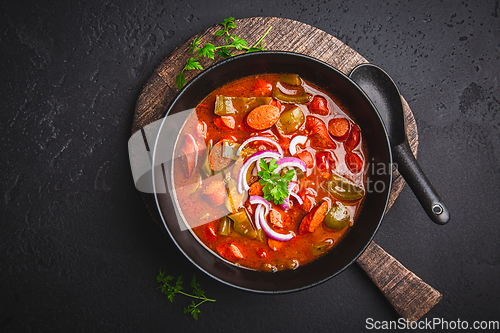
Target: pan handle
409, 168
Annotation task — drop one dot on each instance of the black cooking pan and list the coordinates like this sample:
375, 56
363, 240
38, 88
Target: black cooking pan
379, 171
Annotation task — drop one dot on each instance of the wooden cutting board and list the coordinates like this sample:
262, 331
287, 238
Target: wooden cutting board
410, 296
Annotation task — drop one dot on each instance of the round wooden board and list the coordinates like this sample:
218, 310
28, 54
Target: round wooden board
285, 35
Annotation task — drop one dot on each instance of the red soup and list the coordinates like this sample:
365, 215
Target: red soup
269, 172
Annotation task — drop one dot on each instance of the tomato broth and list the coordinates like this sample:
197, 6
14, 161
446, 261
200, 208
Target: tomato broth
320, 142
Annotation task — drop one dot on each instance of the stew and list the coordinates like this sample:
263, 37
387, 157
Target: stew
269, 171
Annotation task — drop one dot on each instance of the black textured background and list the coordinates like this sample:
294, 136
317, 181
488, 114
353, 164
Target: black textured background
78, 250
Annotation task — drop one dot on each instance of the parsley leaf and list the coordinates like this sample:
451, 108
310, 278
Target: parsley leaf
194, 45
171, 290
228, 23
192, 309
192, 64
209, 50
239, 43
180, 80
275, 186
197, 288
224, 52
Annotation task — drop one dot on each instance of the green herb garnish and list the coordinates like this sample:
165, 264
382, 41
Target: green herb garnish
275, 186
171, 290
209, 50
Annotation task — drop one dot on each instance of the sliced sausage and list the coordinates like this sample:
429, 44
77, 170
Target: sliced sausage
275, 245
318, 134
217, 161
256, 189
319, 105
215, 192
339, 128
279, 218
312, 220
263, 117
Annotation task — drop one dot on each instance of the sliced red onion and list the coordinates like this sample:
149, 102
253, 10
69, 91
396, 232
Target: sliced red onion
290, 162
256, 199
270, 232
255, 170
259, 138
242, 179
299, 139
329, 201
296, 196
257, 217
286, 203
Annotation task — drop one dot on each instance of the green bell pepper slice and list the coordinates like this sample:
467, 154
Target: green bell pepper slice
242, 224
299, 95
342, 188
290, 120
206, 170
291, 79
226, 106
229, 149
233, 199
337, 217
224, 226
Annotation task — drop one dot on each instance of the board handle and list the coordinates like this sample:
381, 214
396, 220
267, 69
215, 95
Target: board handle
408, 294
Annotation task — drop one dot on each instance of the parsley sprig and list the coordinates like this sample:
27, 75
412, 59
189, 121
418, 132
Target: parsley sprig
275, 186
209, 50
170, 290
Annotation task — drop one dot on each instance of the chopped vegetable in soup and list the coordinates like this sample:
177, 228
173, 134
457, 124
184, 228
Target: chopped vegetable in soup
269, 172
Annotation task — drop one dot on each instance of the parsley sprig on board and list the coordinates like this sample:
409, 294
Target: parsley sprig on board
170, 290
275, 186
209, 50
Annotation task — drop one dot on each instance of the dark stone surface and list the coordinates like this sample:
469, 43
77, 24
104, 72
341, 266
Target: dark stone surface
78, 250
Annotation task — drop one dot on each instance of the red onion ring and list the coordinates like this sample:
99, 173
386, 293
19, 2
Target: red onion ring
242, 179
286, 203
296, 196
270, 232
290, 162
295, 141
255, 199
259, 138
